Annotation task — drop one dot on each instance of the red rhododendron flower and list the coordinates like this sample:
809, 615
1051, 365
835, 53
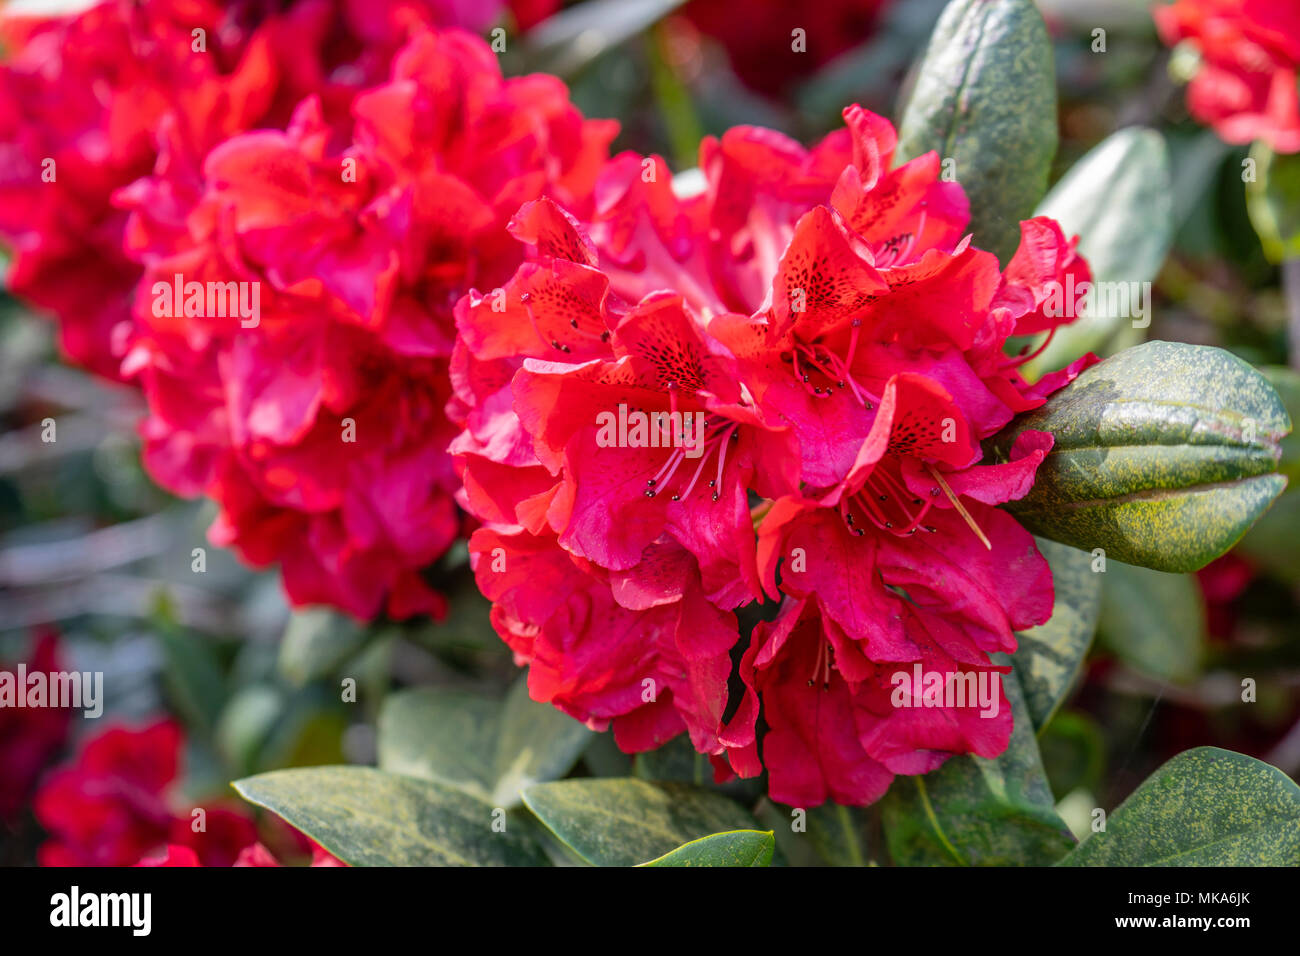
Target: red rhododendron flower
30, 737
318, 424
83, 98
1246, 83
114, 805
812, 354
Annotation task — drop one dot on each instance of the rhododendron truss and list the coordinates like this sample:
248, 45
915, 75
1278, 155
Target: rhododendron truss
314, 412
772, 390
84, 99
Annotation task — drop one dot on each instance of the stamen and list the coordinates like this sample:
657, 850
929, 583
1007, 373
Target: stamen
911, 242
666, 472
960, 508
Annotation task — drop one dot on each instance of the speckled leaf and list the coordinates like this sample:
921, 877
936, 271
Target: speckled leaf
623, 822
985, 97
734, 848
978, 812
1050, 656
1153, 621
1118, 199
487, 747
1286, 382
1165, 455
1273, 201
367, 817
1205, 807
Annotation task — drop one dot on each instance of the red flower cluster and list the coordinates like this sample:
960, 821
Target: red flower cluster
284, 297
1246, 84
82, 100
115, 804
776, 386
30, 737
318, 424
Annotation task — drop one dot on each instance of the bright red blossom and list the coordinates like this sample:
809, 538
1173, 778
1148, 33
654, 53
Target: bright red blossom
842, 347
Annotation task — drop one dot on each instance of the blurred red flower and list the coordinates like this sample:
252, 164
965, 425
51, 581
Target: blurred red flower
116, 803
1246, 83
30, 737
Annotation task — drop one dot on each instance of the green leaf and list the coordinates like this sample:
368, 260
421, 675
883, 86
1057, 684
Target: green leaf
316, 642
1118, 199
568, 41
985, 97
838, 834
367, 817
1165, 455
1286, 382
1271, 544
1153, 621
623, 822
1205, 807
1051, 655
735, 848
1273, 201
978, 812
675, 760
490, 748
191, 672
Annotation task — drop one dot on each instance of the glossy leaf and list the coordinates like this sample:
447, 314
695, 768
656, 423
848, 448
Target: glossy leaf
1153, 621
734, 848
316, 642
1051, 655
1273, 201
978, 812
568, 41
1165, 455
367, 817
490, 748
1118, 199
1205, 807
985, 97
623, 822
